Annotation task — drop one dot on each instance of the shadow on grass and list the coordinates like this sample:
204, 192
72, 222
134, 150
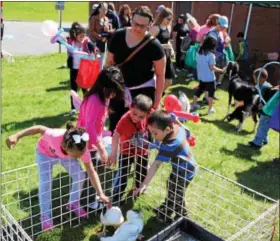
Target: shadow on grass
64, 85
243, 151
49, 121
29, 202
226, 126
264, 178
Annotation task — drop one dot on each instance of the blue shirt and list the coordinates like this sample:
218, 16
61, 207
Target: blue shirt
204, 73
220, 40
178, 148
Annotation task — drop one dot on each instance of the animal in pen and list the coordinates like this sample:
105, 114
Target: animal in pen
217, 206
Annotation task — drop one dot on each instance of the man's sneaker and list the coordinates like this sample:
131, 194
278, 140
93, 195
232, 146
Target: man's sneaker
47, 223
178, 70
73, 112
75, 207
195, 107
253, 145
265, 143
218, 84
211, 111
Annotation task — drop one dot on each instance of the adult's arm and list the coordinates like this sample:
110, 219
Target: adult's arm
159, 66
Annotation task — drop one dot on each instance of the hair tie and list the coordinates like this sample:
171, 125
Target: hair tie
78, 138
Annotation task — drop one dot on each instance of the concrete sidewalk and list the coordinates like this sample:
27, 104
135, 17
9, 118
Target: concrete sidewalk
25, 38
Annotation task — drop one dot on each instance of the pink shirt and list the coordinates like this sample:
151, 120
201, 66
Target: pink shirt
202, 32
50, 145
92, 117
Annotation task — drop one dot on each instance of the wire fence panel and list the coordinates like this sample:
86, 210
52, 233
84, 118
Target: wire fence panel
223, 207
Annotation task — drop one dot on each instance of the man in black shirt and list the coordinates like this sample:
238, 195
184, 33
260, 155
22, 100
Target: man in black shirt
180, 30
145, 72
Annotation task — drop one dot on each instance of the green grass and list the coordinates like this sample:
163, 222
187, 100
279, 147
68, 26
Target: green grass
35, 91
40, 11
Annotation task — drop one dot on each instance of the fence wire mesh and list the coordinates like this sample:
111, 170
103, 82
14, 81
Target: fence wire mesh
223, 207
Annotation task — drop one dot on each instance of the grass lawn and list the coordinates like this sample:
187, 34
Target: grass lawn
35, 91
40, 11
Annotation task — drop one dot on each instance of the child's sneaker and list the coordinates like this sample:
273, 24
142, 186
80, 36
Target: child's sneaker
195, 107
73, 112
253, 145
75, 207
47, 223
96, 205
211, 111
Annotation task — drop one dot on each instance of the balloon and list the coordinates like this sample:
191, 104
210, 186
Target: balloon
49, 28
173, 105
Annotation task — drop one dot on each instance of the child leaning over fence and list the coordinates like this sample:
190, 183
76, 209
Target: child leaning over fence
131, 125
61, 146
173, 148
93, 114
79, 40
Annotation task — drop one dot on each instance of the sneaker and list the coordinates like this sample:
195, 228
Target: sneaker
73, 112
219, 84
190, 75
211, 111
195, 107
178, 70
47, 223
75, 207
253, 145
265, 143
96, 205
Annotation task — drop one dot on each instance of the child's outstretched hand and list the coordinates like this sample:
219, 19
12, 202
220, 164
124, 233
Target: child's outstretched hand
106, 200
112, 160
11, 141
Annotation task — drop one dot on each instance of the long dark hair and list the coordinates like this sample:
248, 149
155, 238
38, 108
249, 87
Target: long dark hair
209, 44
122, 10
75, 30
97, 9
110, 80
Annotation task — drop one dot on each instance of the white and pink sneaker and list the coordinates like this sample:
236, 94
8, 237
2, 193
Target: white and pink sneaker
75, 207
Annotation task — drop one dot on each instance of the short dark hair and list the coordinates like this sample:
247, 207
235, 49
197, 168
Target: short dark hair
143, 11
240, 35
264, 73
161, 119
142, 102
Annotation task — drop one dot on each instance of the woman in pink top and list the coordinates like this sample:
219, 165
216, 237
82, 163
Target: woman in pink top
63, 146
93, 114
211, 22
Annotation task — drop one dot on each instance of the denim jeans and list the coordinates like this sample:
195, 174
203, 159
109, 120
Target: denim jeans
45, 166
262, 131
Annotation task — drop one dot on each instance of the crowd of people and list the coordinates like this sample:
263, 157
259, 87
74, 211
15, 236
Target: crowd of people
137, 67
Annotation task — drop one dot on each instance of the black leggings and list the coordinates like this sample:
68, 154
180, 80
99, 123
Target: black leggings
73, 84
121, 177
119, 109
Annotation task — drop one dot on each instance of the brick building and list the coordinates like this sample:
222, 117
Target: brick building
264, 27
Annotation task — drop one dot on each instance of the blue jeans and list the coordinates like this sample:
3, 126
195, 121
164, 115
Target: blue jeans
45, 168
262, 131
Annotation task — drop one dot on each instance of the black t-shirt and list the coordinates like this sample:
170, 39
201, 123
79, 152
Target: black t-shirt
181, 30
140, 68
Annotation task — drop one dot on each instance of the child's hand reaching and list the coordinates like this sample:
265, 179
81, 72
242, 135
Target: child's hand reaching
11, 141
105, 199
103, 156
112, 160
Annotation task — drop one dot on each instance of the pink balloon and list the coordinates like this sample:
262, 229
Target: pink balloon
49, 28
